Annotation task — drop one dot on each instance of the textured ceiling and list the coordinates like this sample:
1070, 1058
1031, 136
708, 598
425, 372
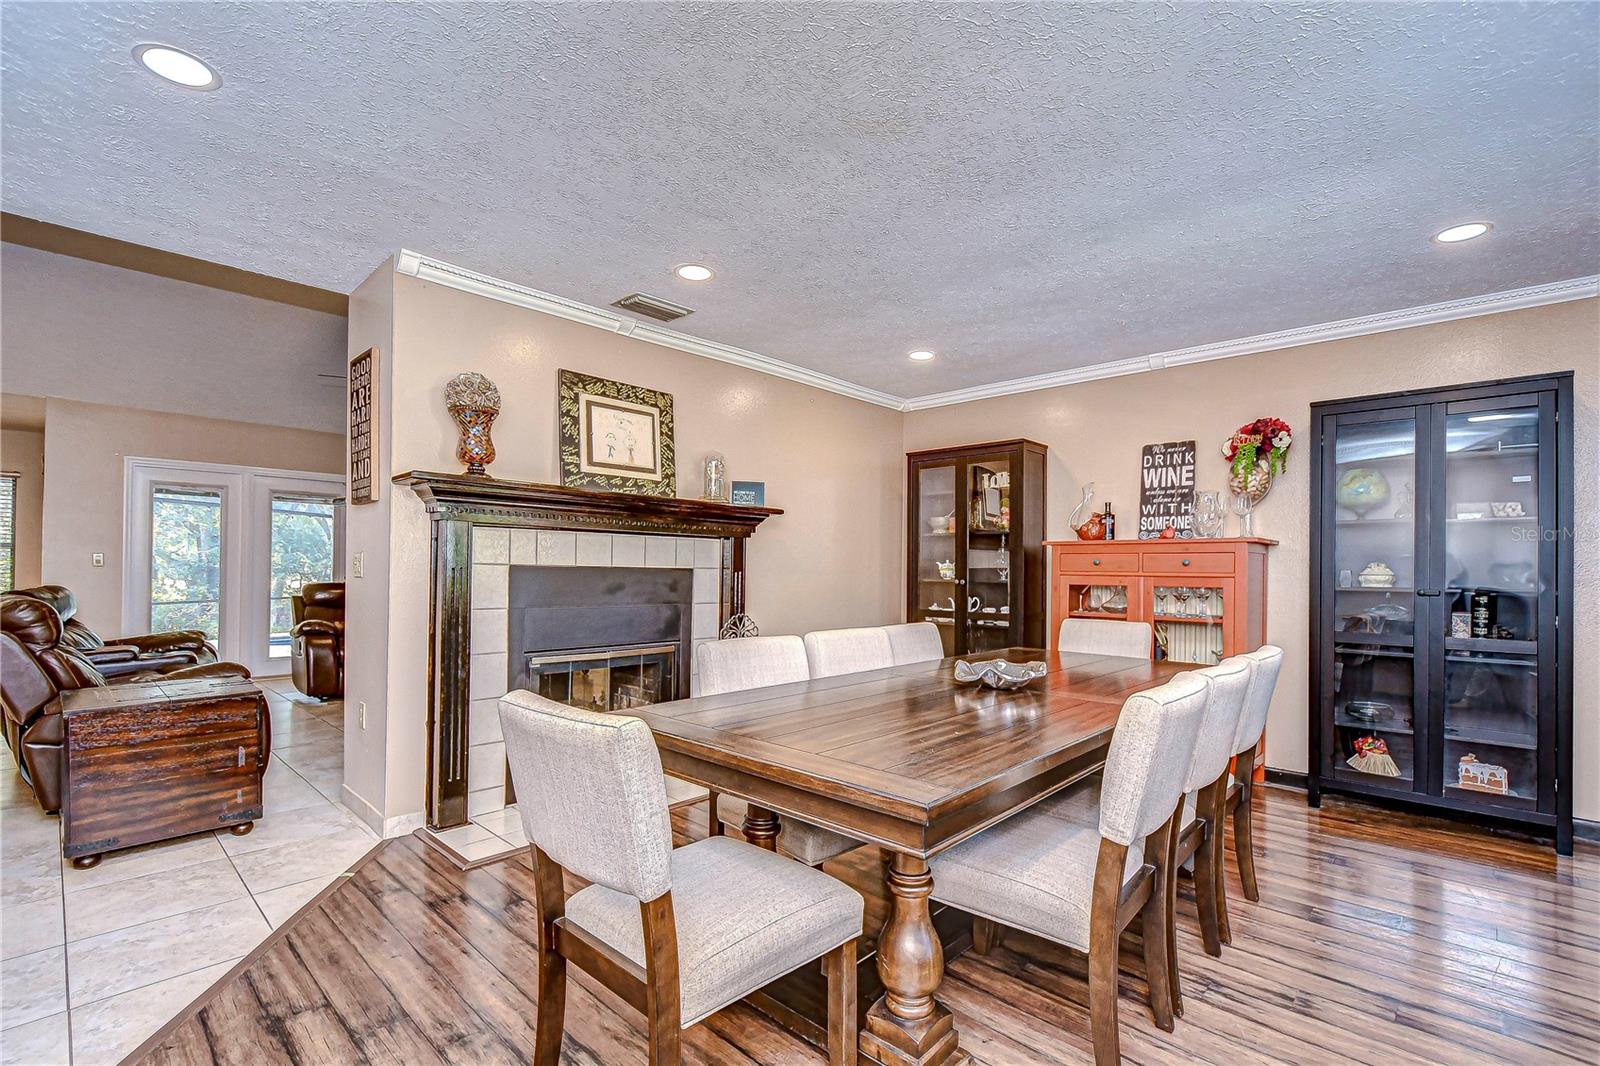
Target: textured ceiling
1023, 188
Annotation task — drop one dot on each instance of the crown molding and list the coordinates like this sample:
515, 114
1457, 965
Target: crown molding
416, 265
1426, 315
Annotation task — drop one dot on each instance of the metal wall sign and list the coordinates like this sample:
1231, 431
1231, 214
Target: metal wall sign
1166, 489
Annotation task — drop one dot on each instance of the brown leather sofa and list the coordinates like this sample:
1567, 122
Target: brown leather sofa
317, 654
163, 652
37, 665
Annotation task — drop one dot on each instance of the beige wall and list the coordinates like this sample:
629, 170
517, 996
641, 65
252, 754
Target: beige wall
834, 463
86, 331
22, 452
367, 765
84, 447
1095, 432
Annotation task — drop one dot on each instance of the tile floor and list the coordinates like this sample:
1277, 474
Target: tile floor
94, 961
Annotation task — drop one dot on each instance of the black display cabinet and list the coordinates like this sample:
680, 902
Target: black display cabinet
1441, 600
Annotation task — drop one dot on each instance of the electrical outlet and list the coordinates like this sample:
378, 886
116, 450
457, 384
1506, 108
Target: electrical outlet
361, 714
98, 559
358, 563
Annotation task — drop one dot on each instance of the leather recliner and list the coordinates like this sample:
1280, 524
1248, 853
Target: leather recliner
36, 666
317, 654
163, 652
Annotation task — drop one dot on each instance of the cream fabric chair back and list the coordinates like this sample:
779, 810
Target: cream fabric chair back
590, 791
848, 651
1104, 636
915, 642
1150, 753
749, 662
1229, 681
1265, 662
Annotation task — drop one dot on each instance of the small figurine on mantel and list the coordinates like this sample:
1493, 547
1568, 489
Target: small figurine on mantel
716, 479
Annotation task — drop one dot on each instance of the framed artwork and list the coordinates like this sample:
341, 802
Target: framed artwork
615, 436
363, 417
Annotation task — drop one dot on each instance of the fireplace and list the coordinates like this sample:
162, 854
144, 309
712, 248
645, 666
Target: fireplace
581, 595
606, 679
601, 637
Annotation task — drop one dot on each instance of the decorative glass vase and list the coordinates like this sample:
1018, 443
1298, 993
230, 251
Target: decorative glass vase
473, 401
1209, 514
716, 479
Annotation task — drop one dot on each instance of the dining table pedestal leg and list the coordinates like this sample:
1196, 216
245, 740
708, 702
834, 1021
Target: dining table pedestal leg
908, 1027
760, 827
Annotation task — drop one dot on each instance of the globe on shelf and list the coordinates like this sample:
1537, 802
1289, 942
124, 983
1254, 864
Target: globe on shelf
1362, 490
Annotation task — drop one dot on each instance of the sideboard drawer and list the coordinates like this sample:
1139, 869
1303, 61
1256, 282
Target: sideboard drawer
1168, 562
1111, 562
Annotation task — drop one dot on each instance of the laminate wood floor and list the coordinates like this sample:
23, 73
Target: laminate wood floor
1380, 938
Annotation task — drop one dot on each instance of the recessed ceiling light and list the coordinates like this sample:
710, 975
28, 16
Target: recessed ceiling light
1464, 232
921, 355
177, 66
694, 272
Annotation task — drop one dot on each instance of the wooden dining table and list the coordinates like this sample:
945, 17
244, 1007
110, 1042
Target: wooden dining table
910, 760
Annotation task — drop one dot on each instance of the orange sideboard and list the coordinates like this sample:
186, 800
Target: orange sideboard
1206, 599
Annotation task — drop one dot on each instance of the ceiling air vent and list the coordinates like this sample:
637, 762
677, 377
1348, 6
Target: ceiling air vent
652, 307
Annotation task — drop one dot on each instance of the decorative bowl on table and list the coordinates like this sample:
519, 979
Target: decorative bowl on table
998, 673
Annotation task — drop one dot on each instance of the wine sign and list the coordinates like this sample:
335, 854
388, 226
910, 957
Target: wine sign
1166, 489
363, 444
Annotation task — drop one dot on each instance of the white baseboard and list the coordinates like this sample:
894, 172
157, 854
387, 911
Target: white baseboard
387, 828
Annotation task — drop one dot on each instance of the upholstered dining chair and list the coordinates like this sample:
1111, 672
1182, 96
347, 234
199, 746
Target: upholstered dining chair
659, 926
758, 662
1106, 636
848, 651
1268, 660
1083, 885
915, 642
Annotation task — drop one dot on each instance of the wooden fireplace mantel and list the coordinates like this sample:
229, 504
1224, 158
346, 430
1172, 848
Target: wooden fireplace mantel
492, 501
455, 504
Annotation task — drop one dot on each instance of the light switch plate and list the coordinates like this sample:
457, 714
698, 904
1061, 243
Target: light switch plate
98, 559
358, 564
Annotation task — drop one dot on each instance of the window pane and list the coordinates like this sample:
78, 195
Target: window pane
186, 560
8, 531
302, 551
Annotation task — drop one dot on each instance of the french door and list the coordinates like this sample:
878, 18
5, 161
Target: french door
223, 549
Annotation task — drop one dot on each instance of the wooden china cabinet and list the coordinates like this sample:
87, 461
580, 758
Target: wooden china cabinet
1441, 600
974, 555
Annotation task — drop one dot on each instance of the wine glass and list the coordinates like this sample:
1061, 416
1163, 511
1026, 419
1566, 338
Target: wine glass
1244, 509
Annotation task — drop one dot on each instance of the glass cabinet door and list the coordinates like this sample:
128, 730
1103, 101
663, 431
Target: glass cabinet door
937, 519
1495, 568
1372, 684
987, 588
1188, 618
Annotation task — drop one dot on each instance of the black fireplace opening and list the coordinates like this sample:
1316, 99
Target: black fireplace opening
600, 637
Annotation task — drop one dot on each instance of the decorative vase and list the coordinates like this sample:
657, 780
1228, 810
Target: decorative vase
716, 479
1094, 524
1362, 490
473, 401
1260, 482
1209, 513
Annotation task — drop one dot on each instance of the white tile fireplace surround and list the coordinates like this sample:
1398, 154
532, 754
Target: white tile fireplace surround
494, 551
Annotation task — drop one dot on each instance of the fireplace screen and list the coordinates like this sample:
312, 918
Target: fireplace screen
606, 679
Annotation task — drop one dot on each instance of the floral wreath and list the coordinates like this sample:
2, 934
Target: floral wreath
1242, 449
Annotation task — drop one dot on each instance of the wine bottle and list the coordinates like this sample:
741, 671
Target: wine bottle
1111, 522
